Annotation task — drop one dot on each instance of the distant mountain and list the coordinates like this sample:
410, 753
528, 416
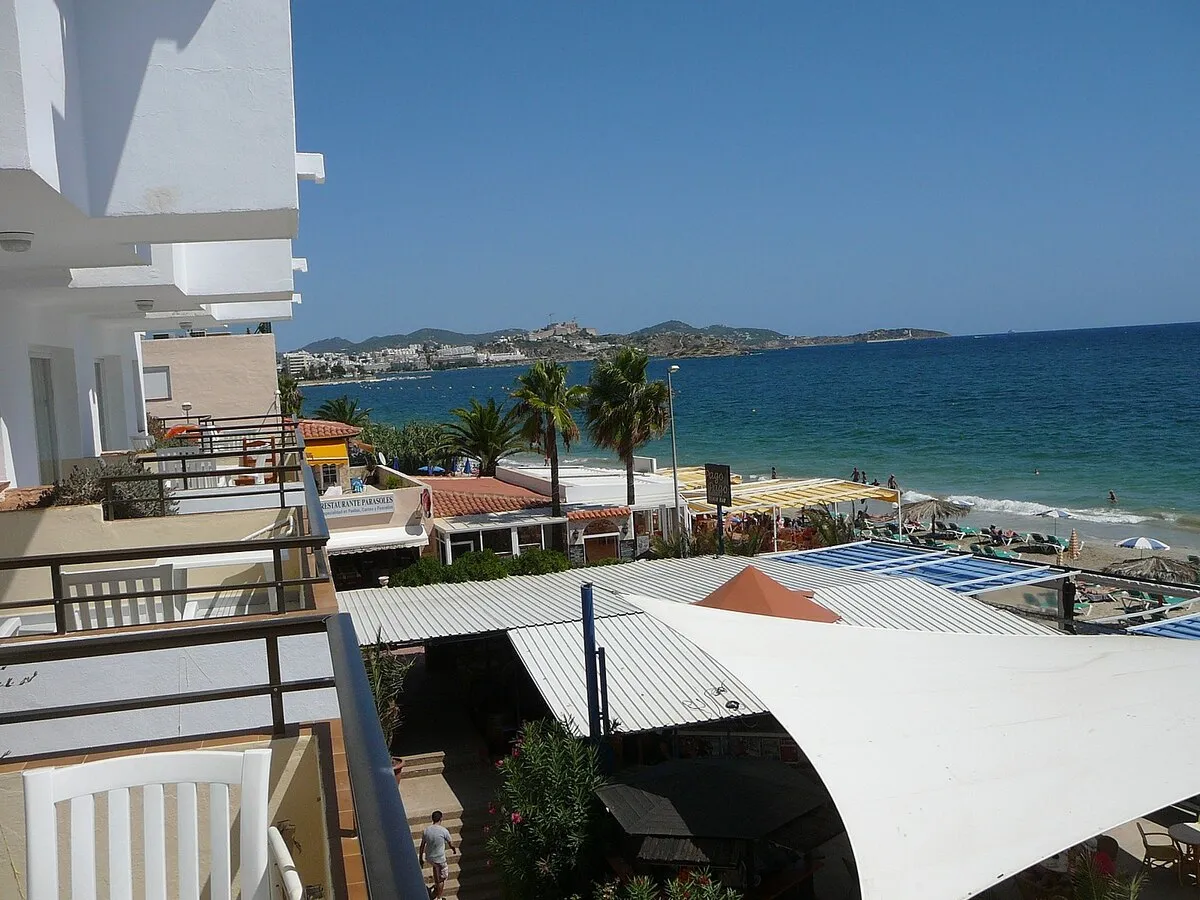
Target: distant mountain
738, 335
420, 336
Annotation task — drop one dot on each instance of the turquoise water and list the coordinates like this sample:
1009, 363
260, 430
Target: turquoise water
973, 417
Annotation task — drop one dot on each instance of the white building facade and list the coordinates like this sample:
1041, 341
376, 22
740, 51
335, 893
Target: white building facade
148, 183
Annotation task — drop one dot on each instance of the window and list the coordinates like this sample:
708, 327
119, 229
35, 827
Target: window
529, 537
498, 541
157, 381
329, 476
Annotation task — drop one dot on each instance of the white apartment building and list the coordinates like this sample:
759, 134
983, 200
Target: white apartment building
297, 362
133, 200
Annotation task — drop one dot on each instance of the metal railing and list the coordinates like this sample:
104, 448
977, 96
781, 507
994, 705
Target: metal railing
207, 427
390, 863
125, 605
388, 857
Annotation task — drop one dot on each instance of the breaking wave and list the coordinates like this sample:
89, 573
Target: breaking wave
1027, 508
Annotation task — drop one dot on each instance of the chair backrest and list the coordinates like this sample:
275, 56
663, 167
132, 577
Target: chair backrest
285, 880
250, 769
97, 607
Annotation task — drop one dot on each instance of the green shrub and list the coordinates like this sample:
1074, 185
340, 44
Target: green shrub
695, 885
609, 561
131, 499
544, 838
538, 562
426, 570
477, 566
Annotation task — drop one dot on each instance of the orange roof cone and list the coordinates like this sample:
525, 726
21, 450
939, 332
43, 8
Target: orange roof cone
751, 591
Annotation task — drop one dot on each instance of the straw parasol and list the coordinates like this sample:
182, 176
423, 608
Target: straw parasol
1155, 568
934, 508
1074, 545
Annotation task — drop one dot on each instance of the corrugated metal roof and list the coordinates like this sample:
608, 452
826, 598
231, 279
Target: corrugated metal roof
1184, 627
410, 615
656, 679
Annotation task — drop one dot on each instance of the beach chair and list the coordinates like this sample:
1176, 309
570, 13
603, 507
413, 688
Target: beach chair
1001, 554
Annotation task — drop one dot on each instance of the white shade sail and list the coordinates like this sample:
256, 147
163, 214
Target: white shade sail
957, 760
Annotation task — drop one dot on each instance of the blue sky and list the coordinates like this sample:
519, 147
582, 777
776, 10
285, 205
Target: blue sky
814, 168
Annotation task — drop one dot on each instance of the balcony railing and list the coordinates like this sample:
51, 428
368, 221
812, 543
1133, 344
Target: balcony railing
388, 857
90, 590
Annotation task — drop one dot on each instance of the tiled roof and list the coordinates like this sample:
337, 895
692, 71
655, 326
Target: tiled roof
611, 512
471, 484
448, 504
319, 428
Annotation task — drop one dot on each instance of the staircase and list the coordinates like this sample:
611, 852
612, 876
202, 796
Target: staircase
461, 790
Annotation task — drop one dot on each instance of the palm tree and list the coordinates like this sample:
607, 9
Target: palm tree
830, 530
343, 409
291, 401
544, 404
623, 410
486, 432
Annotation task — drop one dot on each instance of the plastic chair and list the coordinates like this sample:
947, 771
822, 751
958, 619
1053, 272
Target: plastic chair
250, 769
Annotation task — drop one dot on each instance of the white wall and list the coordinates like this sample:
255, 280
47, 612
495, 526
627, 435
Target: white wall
188, 105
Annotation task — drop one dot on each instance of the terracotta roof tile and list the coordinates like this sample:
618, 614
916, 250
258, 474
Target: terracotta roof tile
470, 484
611, 512
319, 428
447, 504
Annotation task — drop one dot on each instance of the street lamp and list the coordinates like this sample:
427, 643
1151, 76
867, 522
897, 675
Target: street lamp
187, 410
674, 455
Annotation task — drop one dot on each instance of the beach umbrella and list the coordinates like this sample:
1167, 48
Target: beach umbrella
1074, 545
1057, 514
431, 470
1155, 568
1142, 543
934, 508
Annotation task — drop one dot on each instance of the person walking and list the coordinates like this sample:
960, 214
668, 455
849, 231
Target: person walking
854, 475
892, 483
434, 841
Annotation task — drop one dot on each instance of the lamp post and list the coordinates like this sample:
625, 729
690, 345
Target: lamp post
187, 411
674, 455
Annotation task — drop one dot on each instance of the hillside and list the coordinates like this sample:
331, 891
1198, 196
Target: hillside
420, 336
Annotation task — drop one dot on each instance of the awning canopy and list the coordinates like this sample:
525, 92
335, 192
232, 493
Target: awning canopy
750, 591
958, 760
791, 494
692, 477
364, 540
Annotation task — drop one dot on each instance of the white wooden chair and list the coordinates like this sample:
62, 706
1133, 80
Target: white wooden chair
285, 880
250, 769
96, 606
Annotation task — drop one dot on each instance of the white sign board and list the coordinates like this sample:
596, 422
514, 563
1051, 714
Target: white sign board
358, 505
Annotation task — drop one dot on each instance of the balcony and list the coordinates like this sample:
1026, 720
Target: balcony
232, 640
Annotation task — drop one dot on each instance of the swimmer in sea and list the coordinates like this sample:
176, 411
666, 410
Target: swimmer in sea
1112, 497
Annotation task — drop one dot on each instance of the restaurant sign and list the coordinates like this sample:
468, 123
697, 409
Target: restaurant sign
718, 485
358, 505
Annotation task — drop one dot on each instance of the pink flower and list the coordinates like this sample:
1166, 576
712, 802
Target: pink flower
492, 808
499, 763
516, 818
516, 751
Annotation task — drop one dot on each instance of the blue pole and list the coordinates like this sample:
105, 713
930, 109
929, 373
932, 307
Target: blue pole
589, 661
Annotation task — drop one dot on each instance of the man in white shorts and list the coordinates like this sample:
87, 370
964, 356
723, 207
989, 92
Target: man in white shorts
434, 841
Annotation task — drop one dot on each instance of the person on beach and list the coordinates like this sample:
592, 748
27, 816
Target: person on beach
875, 482
1112, 497
434, 841
864, 476
773, 473
892, 482
854, 475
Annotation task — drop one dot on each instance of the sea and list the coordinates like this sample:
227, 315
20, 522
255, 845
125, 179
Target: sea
1015, 424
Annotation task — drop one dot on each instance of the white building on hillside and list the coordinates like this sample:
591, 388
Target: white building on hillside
133, 202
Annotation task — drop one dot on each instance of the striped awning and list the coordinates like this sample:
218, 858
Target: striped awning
792, 494
692, 477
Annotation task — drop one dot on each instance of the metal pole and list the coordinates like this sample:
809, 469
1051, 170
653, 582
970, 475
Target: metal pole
603, 691
775, 528
720, 530
589, 661
674, 454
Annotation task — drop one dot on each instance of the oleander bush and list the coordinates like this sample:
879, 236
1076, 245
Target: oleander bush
131, 499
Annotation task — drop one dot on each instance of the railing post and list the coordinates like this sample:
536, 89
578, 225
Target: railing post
277, 588
183, 472
162, 495
274, 680
60, 594
108, 499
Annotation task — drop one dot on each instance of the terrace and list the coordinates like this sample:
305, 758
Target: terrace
203, 632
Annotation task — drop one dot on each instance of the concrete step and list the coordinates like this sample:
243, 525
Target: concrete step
418, 770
